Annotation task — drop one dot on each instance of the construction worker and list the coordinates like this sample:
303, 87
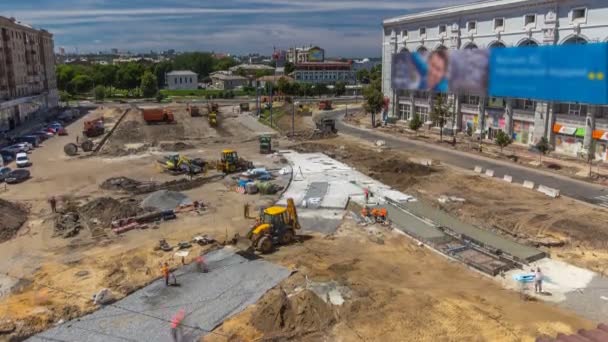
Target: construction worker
366, 193
375, 214
538, 281
165, 271
383, 214
200, 264
53, 203
176, 325
364, 212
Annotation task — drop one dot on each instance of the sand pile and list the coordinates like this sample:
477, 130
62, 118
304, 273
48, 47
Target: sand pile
165, 200
102, 211
281, 316
12, 217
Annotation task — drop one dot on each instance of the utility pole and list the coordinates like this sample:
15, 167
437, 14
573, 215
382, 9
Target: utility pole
454, 120
346, 114
293, 118
270, 91
257, 97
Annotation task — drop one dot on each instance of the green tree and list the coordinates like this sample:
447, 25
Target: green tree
363, 76
82, 84
201, 63
374, 101
415, 123
283, 86
503, 140
340, 88
224, 63
321, 89
261, 73
149, 84
100, 93
128, 75
376, 72
160, 70
440, 113
65, 73
65, 97
289, 68
543, 147
159, 97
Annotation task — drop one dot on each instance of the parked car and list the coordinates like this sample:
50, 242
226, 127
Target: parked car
11, 150
4, 171
47, 133
50, 130
6, 156
32, 139
62, 131
23, 146
17, 176
22, 160
41, 135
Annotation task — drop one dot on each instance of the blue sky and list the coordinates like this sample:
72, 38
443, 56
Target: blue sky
349, 28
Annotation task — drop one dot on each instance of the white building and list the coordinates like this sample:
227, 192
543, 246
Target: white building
570, 127
324, 72
182, 79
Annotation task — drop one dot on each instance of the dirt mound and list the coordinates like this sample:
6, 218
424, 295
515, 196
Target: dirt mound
281, 316
402, 166
102, 211
175, 147
129, 131
12, 217
136, 187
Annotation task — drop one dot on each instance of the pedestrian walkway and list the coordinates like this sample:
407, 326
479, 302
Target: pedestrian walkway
602, 201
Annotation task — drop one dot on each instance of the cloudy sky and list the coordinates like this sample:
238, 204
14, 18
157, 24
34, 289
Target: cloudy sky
350, 28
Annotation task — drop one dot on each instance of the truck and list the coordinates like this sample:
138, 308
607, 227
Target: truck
93, 128
157, 115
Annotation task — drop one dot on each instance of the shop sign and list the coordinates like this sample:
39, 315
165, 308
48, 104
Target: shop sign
567, 130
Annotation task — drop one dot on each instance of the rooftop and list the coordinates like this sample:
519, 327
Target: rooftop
488, 5
181, 73
336, 64
225, 77
252, 67
274, 78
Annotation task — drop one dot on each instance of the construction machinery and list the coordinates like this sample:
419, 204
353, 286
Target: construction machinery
244, 107
265, 144
231, 163
326, 125
276, 226
212, 107
93, 128
158, 115
180, 164
194, 111
212, 119
325, 105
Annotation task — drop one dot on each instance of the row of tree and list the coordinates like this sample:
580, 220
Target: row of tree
80, 78
285, 87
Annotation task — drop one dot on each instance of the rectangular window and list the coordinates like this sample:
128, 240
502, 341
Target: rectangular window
577, 109
579, 15
404, 34
405, 111
442, 29
530, 20
471, 26
499, 24
423, 113
423, 31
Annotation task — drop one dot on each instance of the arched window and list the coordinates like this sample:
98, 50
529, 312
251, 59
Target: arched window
575, 40
470, 46
528, 42
497, 45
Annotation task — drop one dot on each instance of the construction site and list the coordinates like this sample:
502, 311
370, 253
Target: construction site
204, 222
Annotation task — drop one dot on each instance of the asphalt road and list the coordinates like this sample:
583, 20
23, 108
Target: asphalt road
580, 190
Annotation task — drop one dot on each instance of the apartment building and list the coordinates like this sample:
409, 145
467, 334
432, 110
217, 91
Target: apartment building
28, 85
572, 128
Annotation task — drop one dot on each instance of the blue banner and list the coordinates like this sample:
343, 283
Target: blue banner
568, 73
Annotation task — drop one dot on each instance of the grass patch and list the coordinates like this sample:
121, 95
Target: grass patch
206, 93
277, 113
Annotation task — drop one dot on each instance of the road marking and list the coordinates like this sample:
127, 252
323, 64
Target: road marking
602, 201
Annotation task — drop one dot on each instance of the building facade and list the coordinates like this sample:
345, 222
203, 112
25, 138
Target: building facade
28, 85
228, 82
306, 54
182, 80
324, 72
572, 128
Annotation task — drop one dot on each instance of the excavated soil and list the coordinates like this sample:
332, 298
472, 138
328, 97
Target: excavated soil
12, 217
279, 316
137, 187
102, 211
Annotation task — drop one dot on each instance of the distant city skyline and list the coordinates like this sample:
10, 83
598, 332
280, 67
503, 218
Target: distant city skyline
342, 27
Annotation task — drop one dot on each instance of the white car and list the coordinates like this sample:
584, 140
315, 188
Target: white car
22, 160
24, 146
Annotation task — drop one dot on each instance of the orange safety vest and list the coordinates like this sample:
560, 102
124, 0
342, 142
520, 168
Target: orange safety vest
165, 270
375, 212
383, 212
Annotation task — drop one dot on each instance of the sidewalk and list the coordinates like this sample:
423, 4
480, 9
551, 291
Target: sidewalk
519, 154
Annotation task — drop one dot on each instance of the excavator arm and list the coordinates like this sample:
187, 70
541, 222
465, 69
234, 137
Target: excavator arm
293, 214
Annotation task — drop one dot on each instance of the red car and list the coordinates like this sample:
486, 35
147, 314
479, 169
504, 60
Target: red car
51, 130
62, 131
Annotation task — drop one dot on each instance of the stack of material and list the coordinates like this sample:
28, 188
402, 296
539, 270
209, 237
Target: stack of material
165, 200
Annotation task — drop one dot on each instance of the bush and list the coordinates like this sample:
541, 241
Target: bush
100, 93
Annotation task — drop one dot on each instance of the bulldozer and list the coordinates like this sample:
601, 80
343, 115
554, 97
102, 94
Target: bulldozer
231, 163
179, 164
275, 226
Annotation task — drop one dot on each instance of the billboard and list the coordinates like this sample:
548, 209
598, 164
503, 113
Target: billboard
316, 54
569, 73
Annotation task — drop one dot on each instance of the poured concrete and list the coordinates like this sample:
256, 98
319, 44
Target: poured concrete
232, 284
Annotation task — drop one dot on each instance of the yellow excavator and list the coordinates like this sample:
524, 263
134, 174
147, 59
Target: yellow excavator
276, 226
231, 163
179, 164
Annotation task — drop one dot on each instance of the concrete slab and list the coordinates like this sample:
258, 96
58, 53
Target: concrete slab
441, 218
232, 284
320, 220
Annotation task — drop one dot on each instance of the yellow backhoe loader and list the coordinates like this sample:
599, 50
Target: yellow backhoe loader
276, 226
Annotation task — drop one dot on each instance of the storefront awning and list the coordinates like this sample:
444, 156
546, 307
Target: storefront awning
580, 132
604, 136
566, 130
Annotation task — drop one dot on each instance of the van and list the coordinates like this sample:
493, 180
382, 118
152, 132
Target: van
22, 160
